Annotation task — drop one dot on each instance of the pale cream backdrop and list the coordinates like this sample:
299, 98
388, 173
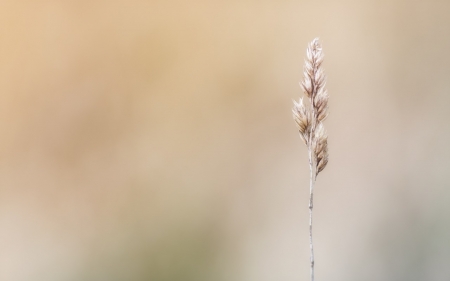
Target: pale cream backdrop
153, 140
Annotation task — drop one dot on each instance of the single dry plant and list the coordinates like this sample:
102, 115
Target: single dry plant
309, 120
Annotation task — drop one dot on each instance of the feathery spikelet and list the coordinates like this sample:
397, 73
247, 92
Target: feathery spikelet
320, 148
303, 120
309, 119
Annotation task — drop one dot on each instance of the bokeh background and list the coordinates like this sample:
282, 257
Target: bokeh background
153, 140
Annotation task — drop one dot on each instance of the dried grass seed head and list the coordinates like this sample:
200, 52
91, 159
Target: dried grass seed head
309, 119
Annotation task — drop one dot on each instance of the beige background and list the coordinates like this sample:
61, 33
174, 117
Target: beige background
153, 140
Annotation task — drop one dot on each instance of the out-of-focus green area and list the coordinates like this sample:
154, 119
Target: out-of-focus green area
153, 140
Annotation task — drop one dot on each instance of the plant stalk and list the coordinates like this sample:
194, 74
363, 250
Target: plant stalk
311, 194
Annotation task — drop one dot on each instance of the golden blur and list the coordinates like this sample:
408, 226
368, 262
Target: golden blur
154, 140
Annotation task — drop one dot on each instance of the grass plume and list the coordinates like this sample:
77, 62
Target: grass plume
309, 119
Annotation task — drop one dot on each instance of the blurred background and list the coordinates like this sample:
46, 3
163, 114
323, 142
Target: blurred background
154, 140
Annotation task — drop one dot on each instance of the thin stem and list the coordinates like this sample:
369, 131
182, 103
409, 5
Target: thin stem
312, 179
311, 194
